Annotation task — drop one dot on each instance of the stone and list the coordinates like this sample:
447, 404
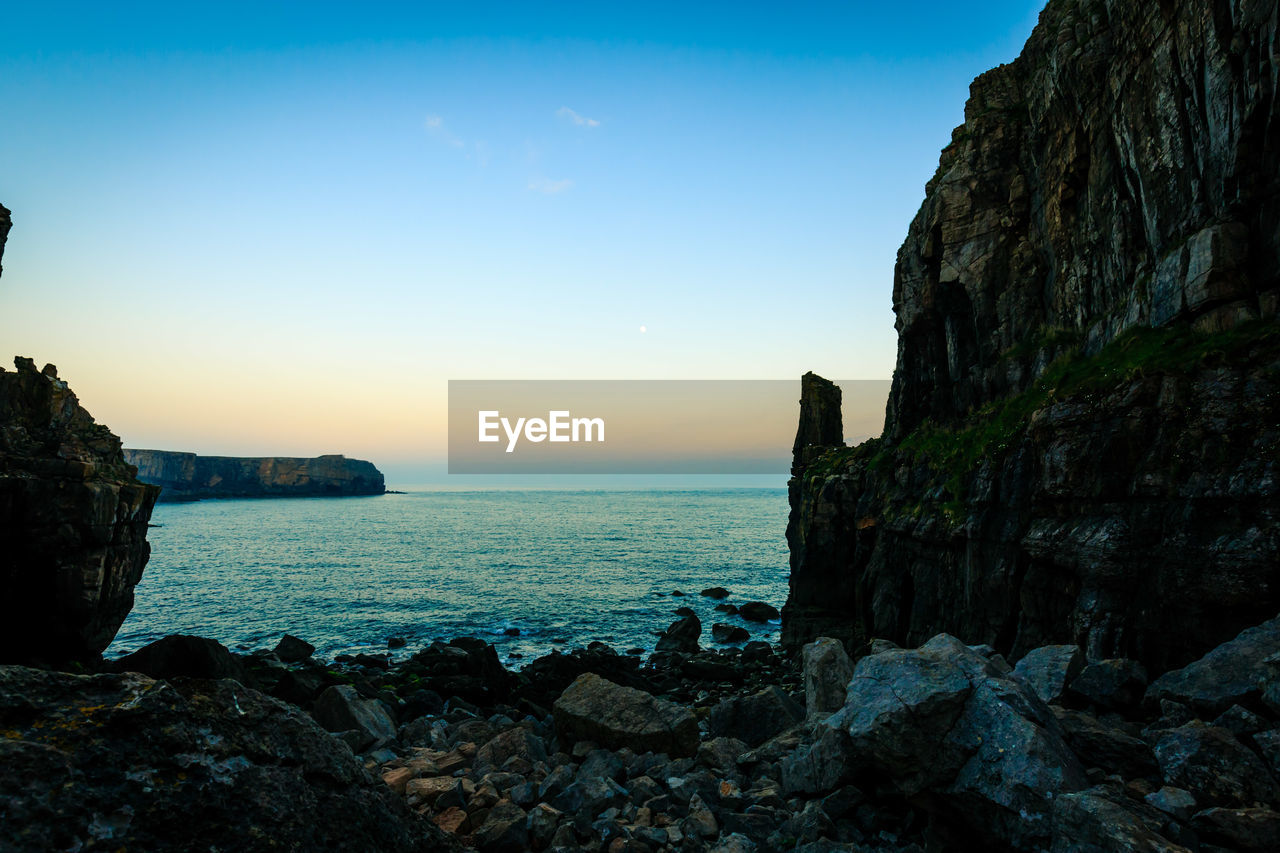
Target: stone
1175, 802
504, 830
428, 790
182, 656
1228, 675
1107, 746
1090, 821
681, 636
755, 718
1252, 830
453, 820
818, 765
1116, 684
341, 708
541, 824
1214, 766
291, 649
1049, 669
722, 633
1239, 721
615, 717
827, 670
721, 753
124, 761
716, 592
516, 742
759, 611
946, 720
73, 522
589, 796
187, 476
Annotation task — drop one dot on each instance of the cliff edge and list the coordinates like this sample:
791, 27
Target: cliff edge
187, 476
1081, 440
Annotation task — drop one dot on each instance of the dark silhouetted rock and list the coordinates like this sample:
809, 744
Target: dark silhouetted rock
73, 522
758, 611
1117, 684
125, 762
1226, 676
827, 670
187, 476
183, 656
1252, 830
341, 708
1214, 766
1088, 820
1049, 669
716, 592
723, 633
944, 719
1079, 441
290, 649
755, 718
1097, 744
593, 709
681, 636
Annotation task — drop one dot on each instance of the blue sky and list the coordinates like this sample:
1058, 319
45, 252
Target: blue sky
281, 229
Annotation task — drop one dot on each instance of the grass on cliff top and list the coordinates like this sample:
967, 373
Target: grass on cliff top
955, 451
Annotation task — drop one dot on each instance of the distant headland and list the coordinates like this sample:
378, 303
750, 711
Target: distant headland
188, 476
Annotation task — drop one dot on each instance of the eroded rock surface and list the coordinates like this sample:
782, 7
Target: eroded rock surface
188, 476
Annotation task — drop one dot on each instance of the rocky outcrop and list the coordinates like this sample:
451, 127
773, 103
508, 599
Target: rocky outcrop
73, 523
186, 476
119, 762
6, 222
1080, 444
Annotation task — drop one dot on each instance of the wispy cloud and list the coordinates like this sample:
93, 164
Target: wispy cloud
548, 186
580, 120
435, 127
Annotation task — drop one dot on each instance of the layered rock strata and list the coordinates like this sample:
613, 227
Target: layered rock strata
187, 476
1081, 441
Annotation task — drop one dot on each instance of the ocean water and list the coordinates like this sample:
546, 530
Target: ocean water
563, 567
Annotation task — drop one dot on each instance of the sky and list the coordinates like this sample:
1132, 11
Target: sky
280, 229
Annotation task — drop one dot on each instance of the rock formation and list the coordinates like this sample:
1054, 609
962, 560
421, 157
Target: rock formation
73, 520
186, 476
6, 222
1080, 444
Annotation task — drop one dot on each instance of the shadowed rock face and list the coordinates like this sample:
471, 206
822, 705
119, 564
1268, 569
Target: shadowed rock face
186, 476
73, 523
5, 224
1080, 443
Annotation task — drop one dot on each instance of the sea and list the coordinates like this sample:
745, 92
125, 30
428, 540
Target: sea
527, 570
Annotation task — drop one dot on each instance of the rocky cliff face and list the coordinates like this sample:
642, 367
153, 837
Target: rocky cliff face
73, 522
1081, 441
186, 476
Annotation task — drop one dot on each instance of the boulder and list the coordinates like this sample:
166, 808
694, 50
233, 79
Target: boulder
944, 719
759, 611
593, 709
291, 649
1252, 830
1229, 675
819, 764
1115, 685
1049, 669
1214, 766
716, 592
516, 742
122, 761
755, 718
341, 708
505, 830
723, 633
827, 670
1097, 744
183, 656
1090, 821
681, 636
73, 523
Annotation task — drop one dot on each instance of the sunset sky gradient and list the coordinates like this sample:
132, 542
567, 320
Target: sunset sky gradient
273, 229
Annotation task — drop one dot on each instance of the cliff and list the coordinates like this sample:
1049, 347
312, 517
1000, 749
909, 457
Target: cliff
1081, 440
186, 476
73, 523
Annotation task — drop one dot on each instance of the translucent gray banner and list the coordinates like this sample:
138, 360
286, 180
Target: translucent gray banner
640, 426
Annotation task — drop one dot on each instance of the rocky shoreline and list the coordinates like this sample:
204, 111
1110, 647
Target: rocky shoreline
937, 748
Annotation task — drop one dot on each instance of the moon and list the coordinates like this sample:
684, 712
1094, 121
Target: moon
643, 330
